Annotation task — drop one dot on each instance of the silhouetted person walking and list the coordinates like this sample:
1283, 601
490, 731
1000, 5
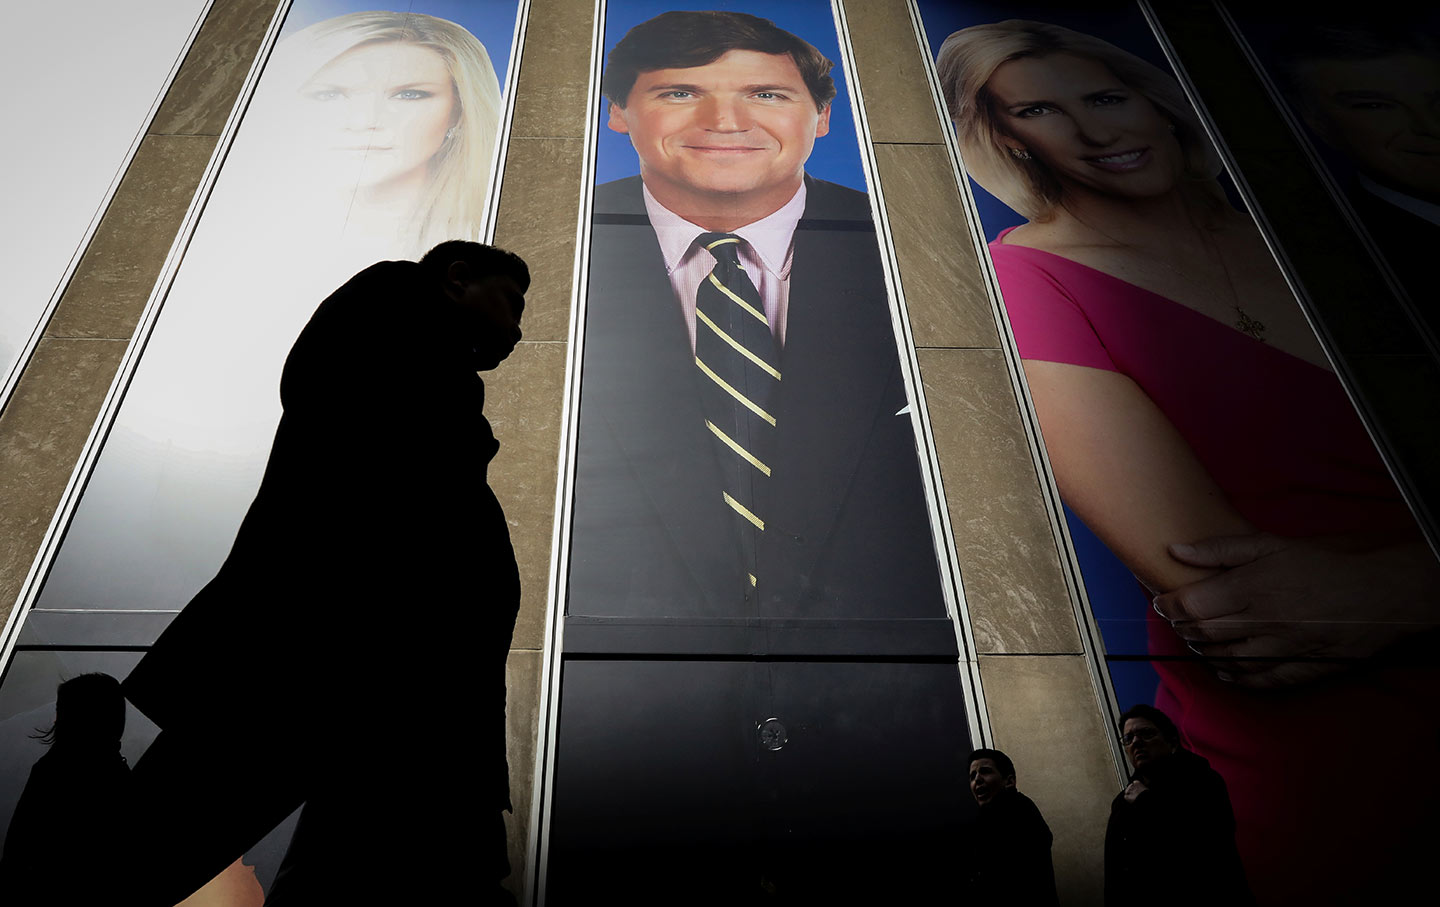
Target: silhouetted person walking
350, 653
62, 844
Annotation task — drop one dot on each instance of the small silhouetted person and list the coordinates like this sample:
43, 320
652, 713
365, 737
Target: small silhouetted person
1007, 848
63, 838
350, 653
1171, 830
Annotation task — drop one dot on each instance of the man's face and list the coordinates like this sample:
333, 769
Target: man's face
986, 782
490, 310
1383, 113
1144, 743
730, 135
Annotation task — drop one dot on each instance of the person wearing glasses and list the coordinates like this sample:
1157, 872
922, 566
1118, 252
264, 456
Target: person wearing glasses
1171, 829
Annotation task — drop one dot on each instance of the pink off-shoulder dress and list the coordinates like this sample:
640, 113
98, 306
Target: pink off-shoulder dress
1281, 439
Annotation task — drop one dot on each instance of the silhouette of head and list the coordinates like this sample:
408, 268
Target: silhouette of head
488, 288
89, 713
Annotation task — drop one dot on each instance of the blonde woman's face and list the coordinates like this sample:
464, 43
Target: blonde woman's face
379, 113
1092, 131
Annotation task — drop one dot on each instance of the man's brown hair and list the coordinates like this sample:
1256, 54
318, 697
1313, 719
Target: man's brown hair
683, 39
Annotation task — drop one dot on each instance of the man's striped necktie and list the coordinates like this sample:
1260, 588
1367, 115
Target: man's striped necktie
739, 367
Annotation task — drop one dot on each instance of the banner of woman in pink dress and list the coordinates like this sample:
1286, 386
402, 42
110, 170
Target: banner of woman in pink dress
1199, 437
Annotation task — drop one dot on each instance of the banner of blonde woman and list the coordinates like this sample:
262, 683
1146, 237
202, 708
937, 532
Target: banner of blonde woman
371, 135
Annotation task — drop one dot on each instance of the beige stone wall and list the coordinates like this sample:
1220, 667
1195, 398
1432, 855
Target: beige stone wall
1044, 710
537, 219
1038, 689
46, 422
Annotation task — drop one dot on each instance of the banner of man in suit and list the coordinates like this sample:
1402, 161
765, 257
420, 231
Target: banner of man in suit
720, 476
754, 610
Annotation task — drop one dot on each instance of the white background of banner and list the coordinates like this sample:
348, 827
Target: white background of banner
81, 79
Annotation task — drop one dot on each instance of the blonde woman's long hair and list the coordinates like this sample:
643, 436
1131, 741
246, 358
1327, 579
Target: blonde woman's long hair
968, 59
453, 203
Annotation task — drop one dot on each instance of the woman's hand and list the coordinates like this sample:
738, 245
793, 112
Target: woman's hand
1302, 608
1133, 790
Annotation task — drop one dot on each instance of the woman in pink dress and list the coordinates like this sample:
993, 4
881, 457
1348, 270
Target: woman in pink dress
1194, 423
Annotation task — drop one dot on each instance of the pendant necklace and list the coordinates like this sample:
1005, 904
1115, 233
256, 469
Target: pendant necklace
1244, 322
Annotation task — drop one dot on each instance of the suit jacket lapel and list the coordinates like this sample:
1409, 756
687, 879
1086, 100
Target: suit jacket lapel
838, 361
655, 415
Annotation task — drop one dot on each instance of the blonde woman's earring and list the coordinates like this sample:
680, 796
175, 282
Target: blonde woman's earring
1020, 154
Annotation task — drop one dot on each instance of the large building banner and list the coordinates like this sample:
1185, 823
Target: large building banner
371, 134
758, 681
1252, 567
753, 568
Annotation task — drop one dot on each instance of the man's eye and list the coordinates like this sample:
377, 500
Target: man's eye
677, 94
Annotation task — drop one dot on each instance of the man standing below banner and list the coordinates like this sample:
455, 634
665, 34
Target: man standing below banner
1006, 851
746, 444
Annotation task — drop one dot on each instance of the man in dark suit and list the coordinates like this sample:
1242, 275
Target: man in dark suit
371, 583
1366, 87
798, 494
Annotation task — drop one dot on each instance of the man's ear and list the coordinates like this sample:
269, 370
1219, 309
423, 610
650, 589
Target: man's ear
617, 119
822, 127
1010, 782
457, 276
